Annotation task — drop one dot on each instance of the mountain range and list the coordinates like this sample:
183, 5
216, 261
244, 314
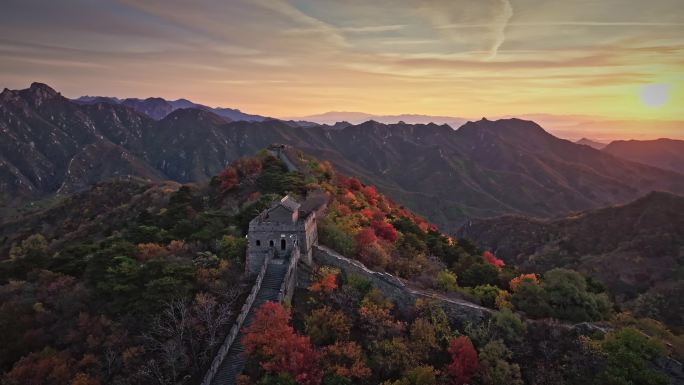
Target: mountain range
333, 117
634, 249
158, 108
52, 145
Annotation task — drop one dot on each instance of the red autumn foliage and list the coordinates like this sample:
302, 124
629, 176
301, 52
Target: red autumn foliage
489, 257
367, 213
326, 284
365, 237
283, 351
229, 178
464, 363
385, 230
354, 184
515, 282
371, 194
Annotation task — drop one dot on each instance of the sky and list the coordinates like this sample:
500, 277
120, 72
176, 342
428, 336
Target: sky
613, 68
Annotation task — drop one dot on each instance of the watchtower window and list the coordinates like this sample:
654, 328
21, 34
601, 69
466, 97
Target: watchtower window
282, 244
258, 242
270, 243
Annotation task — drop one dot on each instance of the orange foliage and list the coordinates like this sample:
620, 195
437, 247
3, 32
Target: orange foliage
515, 282
326, 284
345, 359
229, 178
148, 251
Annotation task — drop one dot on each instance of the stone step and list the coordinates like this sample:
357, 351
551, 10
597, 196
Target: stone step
234, 362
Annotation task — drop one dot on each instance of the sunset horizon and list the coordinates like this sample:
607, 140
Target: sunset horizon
300, 58
326, 192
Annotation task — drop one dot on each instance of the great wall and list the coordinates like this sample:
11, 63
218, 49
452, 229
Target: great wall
283, 238
283, 246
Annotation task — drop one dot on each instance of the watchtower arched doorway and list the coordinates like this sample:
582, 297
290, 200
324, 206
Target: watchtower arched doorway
283, 244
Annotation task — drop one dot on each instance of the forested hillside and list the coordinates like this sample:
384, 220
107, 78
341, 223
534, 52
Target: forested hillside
137, 282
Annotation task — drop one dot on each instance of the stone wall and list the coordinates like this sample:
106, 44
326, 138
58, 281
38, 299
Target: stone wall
237, 326
290, 281
460, 312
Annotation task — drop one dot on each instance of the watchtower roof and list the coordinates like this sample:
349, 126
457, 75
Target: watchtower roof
289, 203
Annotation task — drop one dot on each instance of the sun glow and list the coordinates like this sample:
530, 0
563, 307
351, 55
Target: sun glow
655, 95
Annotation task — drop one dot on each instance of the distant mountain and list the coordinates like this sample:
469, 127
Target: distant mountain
330, 118
483, 169
591, 143
158, 108
663, 153
635, 249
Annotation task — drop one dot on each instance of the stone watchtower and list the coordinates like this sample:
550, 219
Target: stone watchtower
278, 229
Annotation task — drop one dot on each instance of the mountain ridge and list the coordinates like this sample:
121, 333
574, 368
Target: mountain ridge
482, 169
635, 249
662, 153
158, 108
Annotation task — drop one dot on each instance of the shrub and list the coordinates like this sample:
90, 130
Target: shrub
446, 280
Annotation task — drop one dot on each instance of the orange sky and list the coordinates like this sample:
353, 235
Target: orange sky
616, 61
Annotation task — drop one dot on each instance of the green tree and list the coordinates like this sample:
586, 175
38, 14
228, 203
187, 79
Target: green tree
531, 299
509, 326
486, 294
33, 247
569, 298
494, 366
479, 274
630, 354
446, 280
232, 248
420, 375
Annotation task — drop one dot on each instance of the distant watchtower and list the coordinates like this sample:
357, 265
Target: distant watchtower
278, 229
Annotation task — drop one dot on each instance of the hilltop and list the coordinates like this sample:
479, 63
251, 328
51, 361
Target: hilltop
664, 153
635, 250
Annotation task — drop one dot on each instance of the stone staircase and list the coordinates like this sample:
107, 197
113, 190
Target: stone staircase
234, 362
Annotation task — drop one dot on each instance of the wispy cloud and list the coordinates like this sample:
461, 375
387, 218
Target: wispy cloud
500, 26
296, 57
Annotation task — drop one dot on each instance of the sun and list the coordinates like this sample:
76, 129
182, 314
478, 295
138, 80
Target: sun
655, 95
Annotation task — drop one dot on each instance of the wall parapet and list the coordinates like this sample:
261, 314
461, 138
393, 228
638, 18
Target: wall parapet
287, 287
403, 295
239, 321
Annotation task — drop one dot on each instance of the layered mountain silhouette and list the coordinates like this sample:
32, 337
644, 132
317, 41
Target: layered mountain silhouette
633, 249
663, 153
158, 108
591, 143
334, 117
51, 145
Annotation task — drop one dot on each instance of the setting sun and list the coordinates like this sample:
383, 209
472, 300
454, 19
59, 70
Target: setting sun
655, 95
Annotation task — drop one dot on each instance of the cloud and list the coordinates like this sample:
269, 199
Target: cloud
500, 26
